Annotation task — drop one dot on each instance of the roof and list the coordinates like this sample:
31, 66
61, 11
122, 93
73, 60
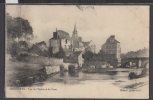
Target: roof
40, 43
117, 41
112, 37
86, 43
62, 34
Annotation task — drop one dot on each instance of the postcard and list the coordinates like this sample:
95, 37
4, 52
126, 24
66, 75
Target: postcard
77, 51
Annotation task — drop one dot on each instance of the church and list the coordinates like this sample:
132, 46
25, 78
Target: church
76, 41
62, 41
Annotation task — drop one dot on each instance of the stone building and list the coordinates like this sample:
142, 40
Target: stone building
60, 41
89, 46
75, 58
111, 51
40, 49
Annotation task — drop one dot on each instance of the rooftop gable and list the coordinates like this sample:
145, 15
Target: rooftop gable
62, 34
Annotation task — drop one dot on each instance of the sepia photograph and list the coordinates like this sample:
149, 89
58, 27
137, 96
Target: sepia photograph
77, 51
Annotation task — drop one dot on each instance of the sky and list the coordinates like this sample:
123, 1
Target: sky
129, 24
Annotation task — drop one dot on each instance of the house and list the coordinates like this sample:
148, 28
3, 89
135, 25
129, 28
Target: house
60, 41
40, 49
89, 46
111, 51
76, 58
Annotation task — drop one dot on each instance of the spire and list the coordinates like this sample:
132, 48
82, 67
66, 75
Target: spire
75, 27
75, 30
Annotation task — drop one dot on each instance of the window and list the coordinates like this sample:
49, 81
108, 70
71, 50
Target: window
66, 41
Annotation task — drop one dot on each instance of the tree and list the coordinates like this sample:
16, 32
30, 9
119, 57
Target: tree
13, 49
88, 55
18, 28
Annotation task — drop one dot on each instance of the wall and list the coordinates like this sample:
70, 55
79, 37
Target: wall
55, 45
64, 44
41, 60
52, 69
118, 52
80, 60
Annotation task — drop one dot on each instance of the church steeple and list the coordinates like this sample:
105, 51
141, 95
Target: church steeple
75, 33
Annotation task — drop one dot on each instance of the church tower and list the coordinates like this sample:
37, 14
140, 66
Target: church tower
75, 32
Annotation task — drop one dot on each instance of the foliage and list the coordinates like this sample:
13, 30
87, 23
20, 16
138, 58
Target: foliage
13, 49
139, 53
17, 47
18, 28
19, 31
88, 55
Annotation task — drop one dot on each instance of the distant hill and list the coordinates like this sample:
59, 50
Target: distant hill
139, 53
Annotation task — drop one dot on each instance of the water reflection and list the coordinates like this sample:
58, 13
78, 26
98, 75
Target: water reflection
67, 77
79, 78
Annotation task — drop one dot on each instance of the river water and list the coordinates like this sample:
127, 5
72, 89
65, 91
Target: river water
96, 85
88, 85
119, 80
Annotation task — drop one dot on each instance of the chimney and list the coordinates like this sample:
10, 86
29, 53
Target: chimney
112, 36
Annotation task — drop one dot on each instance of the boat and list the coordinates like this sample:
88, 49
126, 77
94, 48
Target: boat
138, 74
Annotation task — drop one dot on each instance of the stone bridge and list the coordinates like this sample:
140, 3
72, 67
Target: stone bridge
135, 62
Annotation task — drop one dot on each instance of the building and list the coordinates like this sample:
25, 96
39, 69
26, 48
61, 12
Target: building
40, 49
89, 46
111, 51
75, 58
76, 41
60, 41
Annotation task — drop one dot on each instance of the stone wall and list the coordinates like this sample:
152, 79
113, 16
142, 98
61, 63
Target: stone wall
41, 60
52, 69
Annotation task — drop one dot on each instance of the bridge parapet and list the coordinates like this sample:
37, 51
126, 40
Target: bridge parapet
135, 62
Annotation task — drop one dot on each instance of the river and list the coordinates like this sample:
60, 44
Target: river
96, 85
87, 85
